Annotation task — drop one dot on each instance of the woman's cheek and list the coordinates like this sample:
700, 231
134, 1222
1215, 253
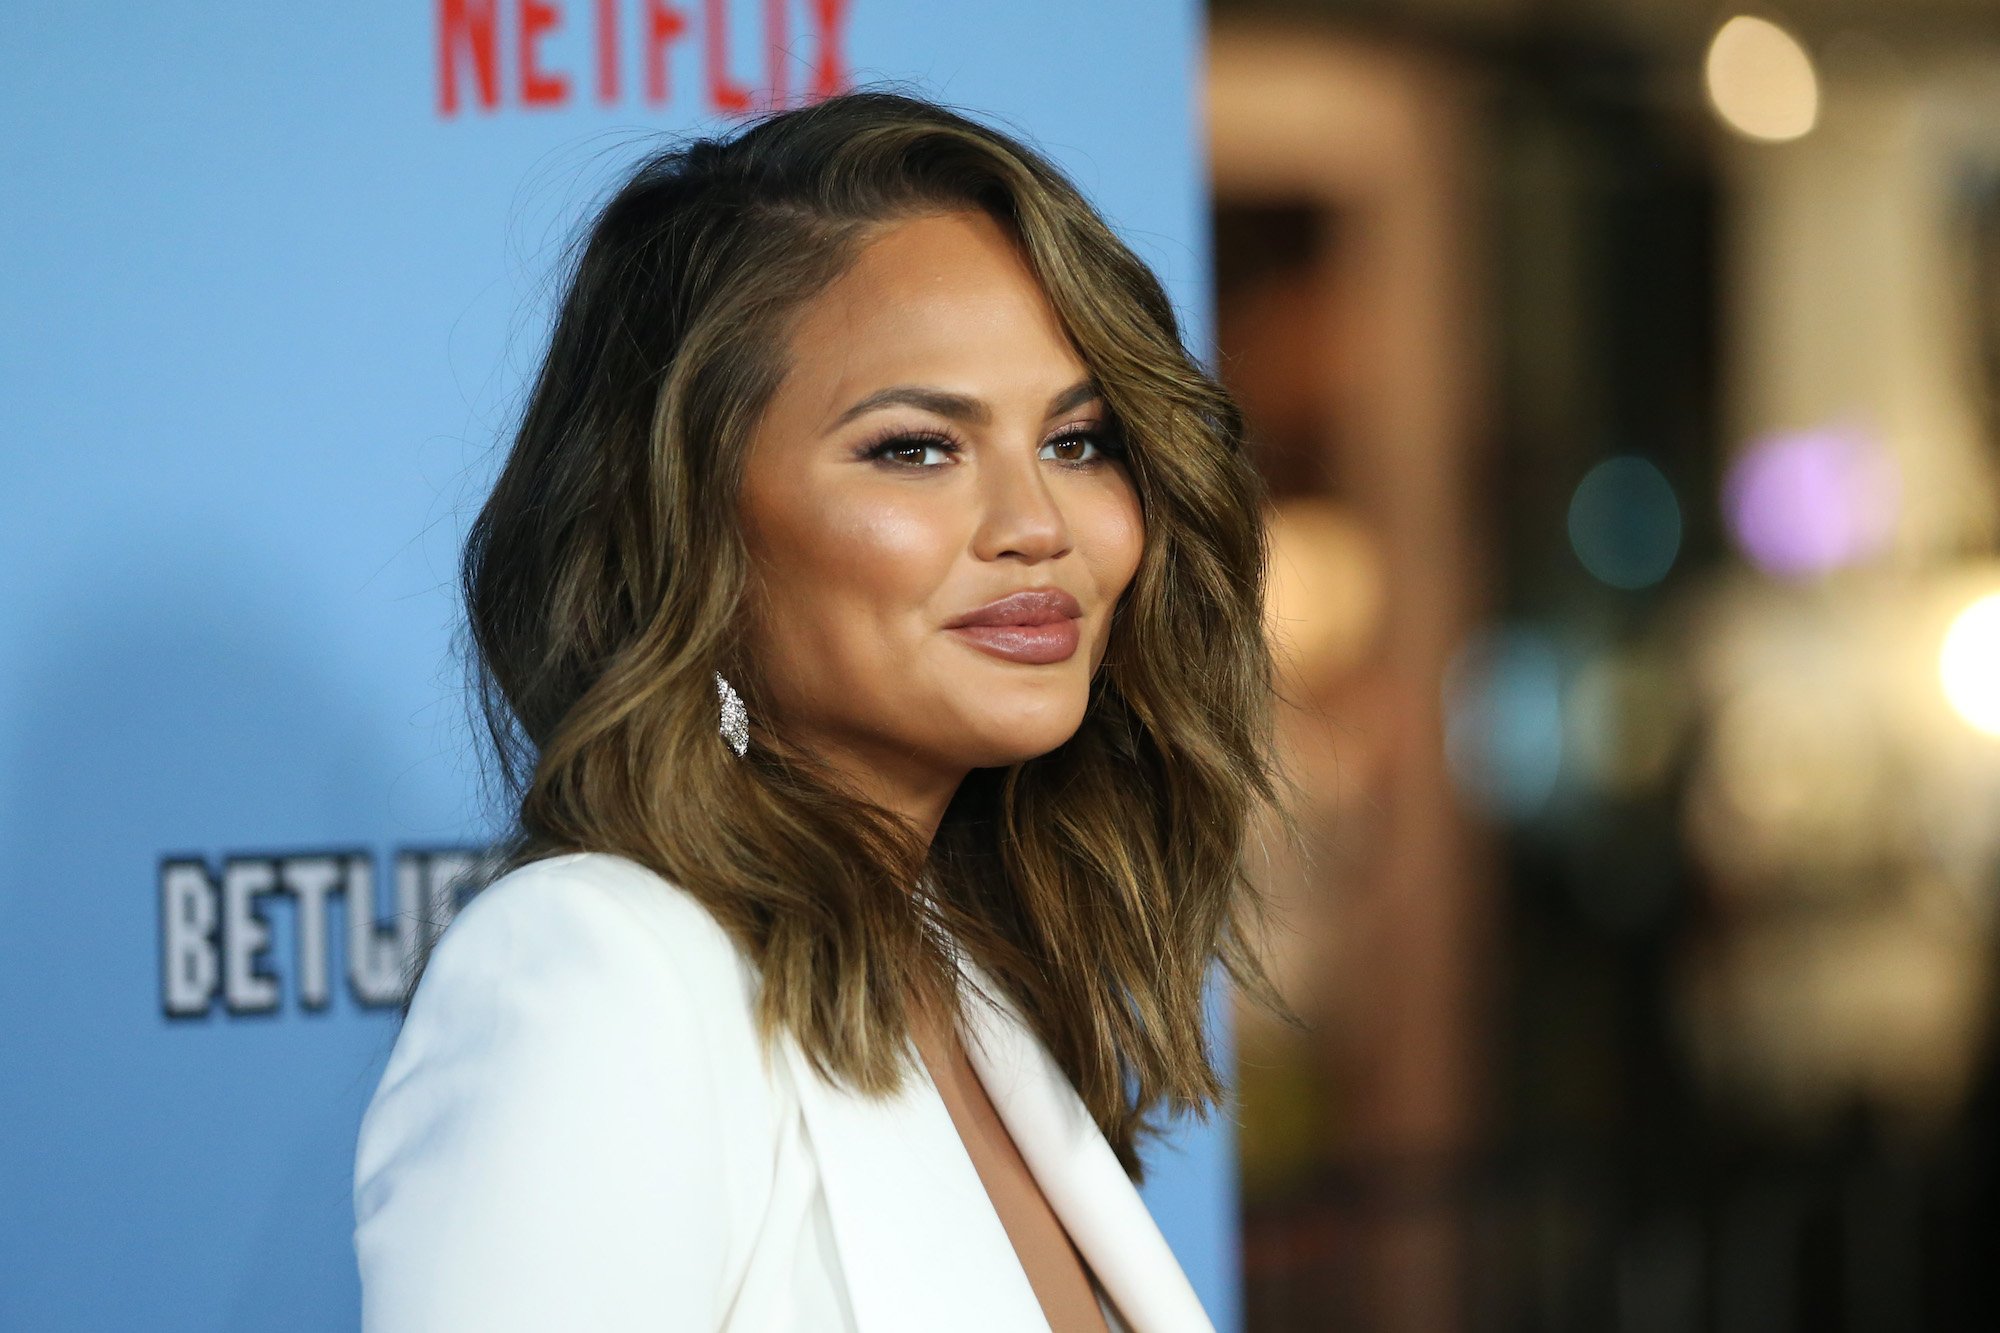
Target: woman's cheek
900, 545
1118, 540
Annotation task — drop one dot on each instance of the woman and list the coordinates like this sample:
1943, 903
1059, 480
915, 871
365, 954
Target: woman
867, 616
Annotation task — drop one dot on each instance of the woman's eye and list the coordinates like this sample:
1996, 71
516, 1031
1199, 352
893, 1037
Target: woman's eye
912, 451
1079, 447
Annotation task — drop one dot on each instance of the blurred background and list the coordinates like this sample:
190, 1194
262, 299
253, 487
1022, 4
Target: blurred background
1627, 374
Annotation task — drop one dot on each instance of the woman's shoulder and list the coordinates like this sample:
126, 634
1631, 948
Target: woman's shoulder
575, 1110
584, 971
603, 904
598, 937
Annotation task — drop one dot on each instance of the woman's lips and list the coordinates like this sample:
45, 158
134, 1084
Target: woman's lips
1039, 644
1037, 625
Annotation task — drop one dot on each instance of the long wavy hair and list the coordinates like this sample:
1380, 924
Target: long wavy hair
605, 581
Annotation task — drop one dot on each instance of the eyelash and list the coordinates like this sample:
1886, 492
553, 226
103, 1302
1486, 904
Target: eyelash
1109, 447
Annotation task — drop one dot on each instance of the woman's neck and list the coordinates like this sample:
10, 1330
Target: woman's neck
916, 792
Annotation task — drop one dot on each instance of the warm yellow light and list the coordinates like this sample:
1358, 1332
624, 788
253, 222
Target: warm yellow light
1326, 589
1761, 81
1970, 664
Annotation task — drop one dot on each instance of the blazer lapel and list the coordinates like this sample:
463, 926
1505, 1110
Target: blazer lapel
920, 1245
1077, 1170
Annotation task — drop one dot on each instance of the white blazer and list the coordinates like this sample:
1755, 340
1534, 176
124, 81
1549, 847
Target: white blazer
576, 1131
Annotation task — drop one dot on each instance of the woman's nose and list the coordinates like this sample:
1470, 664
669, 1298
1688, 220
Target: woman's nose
1023, 518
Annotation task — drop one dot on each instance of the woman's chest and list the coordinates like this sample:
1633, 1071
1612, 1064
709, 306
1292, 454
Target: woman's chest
1048, 1256
877, 1216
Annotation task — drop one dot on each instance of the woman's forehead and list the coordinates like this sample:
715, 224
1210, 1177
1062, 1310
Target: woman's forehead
941, 303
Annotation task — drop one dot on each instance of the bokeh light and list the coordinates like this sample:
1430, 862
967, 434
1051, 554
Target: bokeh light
1504, 722
1624, 711
1327, 587
1804, 503
1969, 665
1625, 523
1761, 81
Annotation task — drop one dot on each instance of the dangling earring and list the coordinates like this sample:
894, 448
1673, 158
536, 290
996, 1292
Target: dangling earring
735, 717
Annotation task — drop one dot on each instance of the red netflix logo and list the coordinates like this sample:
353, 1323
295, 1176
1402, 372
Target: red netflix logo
472, 36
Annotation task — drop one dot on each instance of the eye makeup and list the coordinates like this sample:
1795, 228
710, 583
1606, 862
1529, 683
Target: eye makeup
896, 439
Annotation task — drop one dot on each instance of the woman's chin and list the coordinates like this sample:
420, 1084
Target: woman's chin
994, 737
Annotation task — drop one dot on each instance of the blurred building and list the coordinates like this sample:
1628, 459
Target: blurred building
1627, 376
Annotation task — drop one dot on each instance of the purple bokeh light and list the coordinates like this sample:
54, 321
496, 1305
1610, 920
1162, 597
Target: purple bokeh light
1808, 502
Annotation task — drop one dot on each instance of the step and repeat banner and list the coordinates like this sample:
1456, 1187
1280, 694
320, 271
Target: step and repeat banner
273, 277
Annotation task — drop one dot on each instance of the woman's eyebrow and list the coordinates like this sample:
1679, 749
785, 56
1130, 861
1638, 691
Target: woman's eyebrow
959, 406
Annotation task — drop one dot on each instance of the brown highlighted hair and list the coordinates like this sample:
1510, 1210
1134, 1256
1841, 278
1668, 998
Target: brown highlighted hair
604, 577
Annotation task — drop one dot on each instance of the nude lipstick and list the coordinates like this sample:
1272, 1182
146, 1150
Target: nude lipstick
1035, 625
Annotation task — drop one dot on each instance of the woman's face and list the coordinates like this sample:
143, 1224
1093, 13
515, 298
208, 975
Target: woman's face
935, 448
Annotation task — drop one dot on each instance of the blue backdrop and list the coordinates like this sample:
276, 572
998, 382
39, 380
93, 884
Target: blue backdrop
273, 276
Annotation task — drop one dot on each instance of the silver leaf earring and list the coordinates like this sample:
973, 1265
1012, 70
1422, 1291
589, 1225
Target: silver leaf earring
735, 717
